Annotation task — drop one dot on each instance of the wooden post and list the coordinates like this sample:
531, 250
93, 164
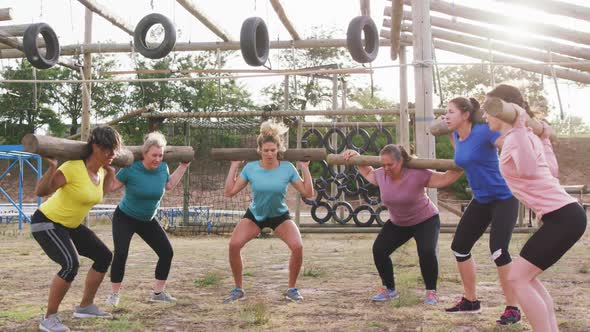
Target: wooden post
396, 21
404, 124
86, 74
425, 145
298, 204
5, 14
186, 183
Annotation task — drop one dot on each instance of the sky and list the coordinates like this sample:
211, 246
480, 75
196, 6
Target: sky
67, 19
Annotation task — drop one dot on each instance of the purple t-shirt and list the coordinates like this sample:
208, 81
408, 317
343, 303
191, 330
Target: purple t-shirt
406, 199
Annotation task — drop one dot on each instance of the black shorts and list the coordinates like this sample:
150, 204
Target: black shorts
272, 222
561, 229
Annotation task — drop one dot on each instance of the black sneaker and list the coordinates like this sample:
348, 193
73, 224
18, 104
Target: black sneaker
464, 306
511, 315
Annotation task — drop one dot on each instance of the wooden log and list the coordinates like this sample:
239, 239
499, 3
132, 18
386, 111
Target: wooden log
498, 46
489, 17
251, 154
507, 112
17, 30
278, 7
65, 149
192, 8
348, 124
171, 153
19, 41
396, 21
5, 14
235, 114
441, 164
109, 16
555, 8
576, 51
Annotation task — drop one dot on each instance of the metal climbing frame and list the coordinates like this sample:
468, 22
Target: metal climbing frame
16, 155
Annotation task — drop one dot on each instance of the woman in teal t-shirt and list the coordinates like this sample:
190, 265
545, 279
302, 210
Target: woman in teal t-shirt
145, 183
269, 179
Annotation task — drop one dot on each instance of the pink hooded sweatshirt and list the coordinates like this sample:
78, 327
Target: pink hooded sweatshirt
525, 167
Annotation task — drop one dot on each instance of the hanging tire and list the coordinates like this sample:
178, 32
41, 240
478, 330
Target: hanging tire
360, 223
52, 50
378, 217
254, 41
312, 132
362, 52
314, 211
339, 187
363, 134
373, 139
346, 217
142, 29
342, 139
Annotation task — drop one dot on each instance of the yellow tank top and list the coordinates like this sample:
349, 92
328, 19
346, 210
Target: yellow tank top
70, 203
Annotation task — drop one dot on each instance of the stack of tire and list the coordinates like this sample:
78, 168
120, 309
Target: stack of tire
331, 204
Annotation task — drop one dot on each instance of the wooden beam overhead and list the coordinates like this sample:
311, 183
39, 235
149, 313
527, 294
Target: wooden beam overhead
278, 7
109, 16
485, 32
17, 30
489, 17
555, 8
5, 14
397, 14
200, 15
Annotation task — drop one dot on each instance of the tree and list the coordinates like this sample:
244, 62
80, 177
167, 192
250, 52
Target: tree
571, 125
21, 109
475, 81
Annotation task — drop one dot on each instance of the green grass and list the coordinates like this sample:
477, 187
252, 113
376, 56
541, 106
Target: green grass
21, 313
313, 272
210, 279
255, 314
122, 323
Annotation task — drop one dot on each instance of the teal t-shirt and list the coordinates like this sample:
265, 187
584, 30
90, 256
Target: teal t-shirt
144, 189
269, 188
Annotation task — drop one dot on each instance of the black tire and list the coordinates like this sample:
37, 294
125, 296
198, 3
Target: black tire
142, 29
353, 183
326, 173
314, 211
313, 202
312, 132
52, 50
346, 218
373, 139
378, 218
362, 133
254, 41
362, 52
360, 223
366, 189
342, 140
339, 188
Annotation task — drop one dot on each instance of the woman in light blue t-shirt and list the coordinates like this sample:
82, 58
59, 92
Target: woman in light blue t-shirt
145, 183
269, 178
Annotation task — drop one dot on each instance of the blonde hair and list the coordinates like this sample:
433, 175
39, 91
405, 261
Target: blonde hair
271, 131
154, 138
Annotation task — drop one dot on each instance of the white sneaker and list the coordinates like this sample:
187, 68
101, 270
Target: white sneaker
162, 297
113, 299
90, 311
52, 324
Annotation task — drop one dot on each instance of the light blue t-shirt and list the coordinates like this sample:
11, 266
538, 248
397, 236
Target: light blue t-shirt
144, 189
478, 156
269, 188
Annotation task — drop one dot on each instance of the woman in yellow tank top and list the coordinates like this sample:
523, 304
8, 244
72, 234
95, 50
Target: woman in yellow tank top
76, 186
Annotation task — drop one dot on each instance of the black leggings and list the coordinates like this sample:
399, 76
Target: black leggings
501, 214
561, 229
63, 244
393, 236
151, 232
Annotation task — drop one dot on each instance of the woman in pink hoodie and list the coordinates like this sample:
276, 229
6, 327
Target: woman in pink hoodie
528, 165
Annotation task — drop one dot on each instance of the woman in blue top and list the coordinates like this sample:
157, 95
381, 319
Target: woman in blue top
492, 203
145, 183
269, 179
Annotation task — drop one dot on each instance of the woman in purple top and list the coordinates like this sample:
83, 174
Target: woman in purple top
411, 213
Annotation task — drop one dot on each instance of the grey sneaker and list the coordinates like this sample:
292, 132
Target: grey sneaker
113, 299
235, 294
294, 295
52, 324
162, 297
431, 297
90, 311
